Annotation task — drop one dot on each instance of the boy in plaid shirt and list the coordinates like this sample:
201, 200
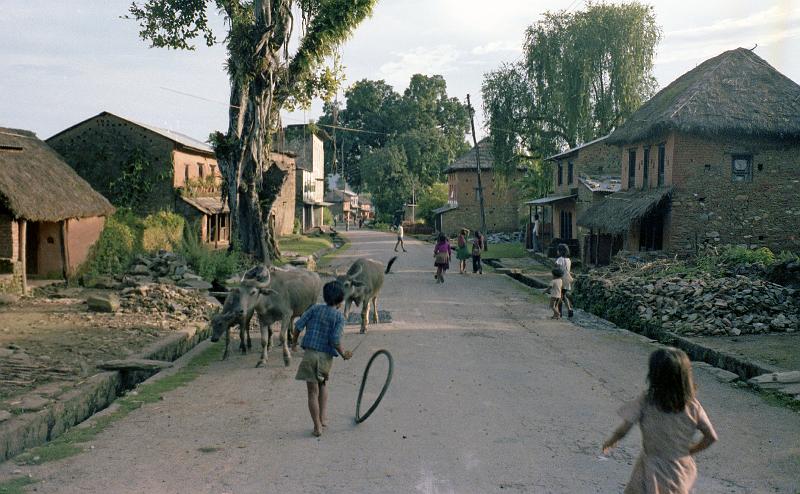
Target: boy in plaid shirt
324, 325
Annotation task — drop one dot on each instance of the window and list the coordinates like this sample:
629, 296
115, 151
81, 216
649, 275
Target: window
646, 168
570, 168
742, 168
185, 173
213, 169
661, 158
200, 170
560, 173
631, 168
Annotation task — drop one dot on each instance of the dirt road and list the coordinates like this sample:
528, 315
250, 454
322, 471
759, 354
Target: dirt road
488, 396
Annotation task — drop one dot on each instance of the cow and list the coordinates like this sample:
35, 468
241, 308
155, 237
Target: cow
362, 284
274, 295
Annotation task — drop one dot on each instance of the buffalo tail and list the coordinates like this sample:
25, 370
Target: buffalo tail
389, 266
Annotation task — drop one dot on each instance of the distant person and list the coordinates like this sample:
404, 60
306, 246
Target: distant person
555, 293
565, 263
441, 256
324, 325
462, 252
668, 415
400, 238
360, 222
478, 246
347, 223
535, 235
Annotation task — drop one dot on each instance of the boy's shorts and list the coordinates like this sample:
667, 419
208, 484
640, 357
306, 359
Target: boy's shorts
315, 366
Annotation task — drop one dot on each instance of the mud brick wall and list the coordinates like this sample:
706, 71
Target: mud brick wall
708, 207
9, 237
99, 149
501, 206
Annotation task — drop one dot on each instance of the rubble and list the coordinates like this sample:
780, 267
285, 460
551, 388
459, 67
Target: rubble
167, 302
503, 238
691, 304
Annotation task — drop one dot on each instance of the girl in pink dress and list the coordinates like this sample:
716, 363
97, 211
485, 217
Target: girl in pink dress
441, 255
669, 415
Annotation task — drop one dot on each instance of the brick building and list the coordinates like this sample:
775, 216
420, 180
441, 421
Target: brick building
49, 216
182, 173
710, 159
501, 204
582, 176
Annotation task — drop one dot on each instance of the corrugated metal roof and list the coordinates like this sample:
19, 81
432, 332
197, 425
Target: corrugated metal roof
207, 205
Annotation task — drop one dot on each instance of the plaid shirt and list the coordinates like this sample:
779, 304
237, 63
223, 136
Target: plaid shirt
324, 325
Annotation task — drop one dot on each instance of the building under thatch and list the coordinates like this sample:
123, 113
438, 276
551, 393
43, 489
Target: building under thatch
501, 203
49, 216
723, 139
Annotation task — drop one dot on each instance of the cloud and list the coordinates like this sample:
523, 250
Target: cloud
777, 16
420, 60
497, 46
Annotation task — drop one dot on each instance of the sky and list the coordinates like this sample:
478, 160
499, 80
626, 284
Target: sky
66, 61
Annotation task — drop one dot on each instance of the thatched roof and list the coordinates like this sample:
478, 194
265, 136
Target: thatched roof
733, 94
37, 185
617, 211
467, 160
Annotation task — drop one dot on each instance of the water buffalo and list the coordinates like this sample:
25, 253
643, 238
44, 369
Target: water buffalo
362, 283
231, 315
274, 295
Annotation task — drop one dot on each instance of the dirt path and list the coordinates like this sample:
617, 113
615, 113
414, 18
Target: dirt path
488, 396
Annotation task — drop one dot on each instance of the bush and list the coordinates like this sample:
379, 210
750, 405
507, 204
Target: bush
210, 264
162, 230
113, 251
327, 217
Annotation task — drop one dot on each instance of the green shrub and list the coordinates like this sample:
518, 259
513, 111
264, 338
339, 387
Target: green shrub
209, 263
162, 230
297, 229
114, 250
327, 217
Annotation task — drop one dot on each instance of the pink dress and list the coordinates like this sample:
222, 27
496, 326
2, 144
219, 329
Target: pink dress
664, 466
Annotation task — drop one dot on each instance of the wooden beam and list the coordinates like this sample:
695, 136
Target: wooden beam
65, 248
23, 254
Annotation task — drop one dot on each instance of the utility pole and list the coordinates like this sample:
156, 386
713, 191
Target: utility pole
479, 188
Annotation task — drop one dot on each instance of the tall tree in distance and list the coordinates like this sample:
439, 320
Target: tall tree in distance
581, 75
265, 77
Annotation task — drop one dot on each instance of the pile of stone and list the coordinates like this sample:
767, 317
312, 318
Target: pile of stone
503, 238
167, 301
166, 268
690, 305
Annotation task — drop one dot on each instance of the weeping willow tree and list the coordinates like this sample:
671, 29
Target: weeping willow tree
581, 75
265, 77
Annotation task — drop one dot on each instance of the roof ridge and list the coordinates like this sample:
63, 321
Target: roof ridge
705, 77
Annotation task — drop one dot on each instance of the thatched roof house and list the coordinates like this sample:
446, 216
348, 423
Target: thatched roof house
736, 93
49, 216
711, 159
467, 160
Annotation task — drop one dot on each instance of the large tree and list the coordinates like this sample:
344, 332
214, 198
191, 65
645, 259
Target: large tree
581, 75
417, 134
265, 76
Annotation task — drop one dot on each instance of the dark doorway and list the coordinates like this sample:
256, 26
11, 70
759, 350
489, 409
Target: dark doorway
32, 248
566, 225
651, 235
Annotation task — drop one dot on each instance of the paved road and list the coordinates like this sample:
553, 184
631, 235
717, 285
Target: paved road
488, 396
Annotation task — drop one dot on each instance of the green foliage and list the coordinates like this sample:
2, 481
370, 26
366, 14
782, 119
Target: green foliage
327, 217
297, 227
510, 250
423, 123
135, 183
211, 264
387, 166
431, 197
162, 230
114, 250
582, 74
16, 485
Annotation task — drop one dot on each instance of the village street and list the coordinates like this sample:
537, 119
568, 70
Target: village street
488, 396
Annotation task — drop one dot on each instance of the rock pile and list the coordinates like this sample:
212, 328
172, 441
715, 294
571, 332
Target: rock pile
167, 302
704, 305
166, 268
503, 238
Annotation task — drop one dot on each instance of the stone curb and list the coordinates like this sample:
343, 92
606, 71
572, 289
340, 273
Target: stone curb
744, 368
92, 395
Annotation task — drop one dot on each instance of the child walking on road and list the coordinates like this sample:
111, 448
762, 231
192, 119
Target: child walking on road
324, 325
565, 264
669, 415
555, 293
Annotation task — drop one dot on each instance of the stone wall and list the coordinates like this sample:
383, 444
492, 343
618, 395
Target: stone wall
709, 207
99, 148
11, 277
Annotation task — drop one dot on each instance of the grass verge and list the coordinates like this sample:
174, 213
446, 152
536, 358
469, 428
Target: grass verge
70, 443
303, 245
505, 251
16, 486
327, 258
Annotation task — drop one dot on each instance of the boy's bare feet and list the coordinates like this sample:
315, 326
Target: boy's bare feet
316, 433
